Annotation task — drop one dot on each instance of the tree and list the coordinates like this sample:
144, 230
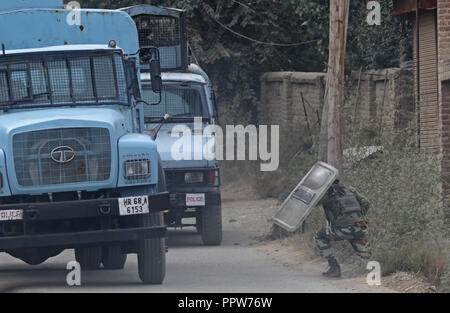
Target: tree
235, 64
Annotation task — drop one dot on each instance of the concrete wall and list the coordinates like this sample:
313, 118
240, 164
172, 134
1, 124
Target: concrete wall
282, 104
384, 101
281, 98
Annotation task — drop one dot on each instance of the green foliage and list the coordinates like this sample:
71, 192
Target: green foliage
235, 64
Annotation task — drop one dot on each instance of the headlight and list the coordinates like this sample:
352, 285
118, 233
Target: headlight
137, 169
1, 181
194, 178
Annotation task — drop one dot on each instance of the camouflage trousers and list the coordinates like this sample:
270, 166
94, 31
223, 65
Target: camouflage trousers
355, 234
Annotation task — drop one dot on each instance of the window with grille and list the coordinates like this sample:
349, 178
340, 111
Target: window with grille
176, 100
62, 79
155, 30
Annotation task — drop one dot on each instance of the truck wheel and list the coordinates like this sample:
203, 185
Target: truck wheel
152, 253
89, 258
113, 258
211, 225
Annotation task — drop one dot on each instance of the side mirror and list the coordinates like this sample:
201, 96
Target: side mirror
155, 74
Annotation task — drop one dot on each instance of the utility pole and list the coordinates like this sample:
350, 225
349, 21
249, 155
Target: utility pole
335, 82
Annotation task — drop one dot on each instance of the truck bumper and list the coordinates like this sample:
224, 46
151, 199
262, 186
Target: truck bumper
102, 209
178, 199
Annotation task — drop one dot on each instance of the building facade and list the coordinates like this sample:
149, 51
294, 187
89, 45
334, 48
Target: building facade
432, 75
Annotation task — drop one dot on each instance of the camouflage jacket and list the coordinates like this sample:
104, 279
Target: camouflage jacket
334, 211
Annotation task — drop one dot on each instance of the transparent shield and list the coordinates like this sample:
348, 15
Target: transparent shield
305, 196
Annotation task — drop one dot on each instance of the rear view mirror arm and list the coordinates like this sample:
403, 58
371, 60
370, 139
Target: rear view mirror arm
153, 103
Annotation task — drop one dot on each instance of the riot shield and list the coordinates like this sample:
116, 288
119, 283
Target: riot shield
305, 196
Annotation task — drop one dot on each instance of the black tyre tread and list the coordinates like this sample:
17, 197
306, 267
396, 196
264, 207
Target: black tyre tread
113, 258
152, 254
90, 258
211, 229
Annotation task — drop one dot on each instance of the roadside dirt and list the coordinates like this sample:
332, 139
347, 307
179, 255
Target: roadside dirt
242, 211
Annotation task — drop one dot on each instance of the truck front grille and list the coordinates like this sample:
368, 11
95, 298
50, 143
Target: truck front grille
62, 156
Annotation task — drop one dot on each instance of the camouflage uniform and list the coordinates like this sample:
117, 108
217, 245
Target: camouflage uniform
343, 225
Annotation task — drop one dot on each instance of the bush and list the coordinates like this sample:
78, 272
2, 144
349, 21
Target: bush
416, 257
406, 221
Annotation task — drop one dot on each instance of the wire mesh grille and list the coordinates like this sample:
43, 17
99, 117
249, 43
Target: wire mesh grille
62, 156
140, 167
157, 30
63, 80
176, 101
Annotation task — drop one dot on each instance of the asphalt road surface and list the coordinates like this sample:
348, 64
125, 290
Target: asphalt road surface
236, 266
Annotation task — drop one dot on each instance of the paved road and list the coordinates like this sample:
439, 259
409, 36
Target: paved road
236, 266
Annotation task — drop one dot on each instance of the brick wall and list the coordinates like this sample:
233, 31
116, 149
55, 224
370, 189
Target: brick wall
294, 101
443, 20
382, 100
282, 104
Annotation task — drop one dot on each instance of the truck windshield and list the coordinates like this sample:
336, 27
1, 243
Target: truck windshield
38, 80
179, 101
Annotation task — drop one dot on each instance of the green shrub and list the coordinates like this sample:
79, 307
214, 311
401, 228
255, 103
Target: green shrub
406, 221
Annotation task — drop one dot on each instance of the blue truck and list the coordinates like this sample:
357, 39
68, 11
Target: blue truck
76, 170
187, 95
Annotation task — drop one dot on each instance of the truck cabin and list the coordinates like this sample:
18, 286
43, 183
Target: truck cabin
75, 171
186, 91
183, 98
59, 64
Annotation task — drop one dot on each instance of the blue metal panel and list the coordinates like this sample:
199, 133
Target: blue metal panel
4, 191
24, 121
134, 147
39, 28
9, 5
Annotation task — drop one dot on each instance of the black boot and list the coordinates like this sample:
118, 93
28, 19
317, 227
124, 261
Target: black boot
334, 268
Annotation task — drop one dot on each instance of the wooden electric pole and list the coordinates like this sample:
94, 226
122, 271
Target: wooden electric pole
335, 82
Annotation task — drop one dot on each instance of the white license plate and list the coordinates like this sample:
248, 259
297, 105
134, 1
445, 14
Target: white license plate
11, 215
133, 205
195, 199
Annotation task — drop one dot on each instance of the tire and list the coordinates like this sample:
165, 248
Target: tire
211, 225
90, 258
113, 258
152, 254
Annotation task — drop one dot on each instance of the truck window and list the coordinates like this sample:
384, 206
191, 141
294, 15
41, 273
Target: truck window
61, 80
177, 101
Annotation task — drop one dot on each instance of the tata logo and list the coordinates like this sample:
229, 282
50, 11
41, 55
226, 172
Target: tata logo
63, 154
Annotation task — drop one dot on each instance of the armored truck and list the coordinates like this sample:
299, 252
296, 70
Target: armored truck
76, 172
187, 96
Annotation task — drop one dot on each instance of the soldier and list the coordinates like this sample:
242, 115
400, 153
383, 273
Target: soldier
344, 209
